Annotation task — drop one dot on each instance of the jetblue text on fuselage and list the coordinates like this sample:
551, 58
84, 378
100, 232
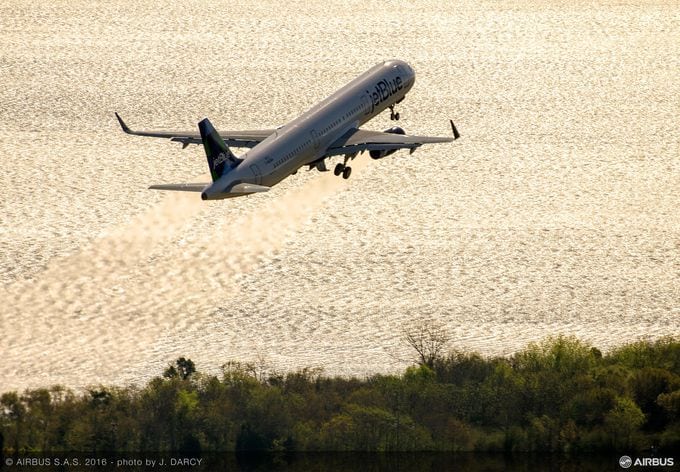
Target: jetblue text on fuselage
383, 90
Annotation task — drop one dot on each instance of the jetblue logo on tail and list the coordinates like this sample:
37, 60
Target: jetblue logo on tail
221, 157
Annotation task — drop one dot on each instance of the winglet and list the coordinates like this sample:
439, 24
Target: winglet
456, 134
122, 124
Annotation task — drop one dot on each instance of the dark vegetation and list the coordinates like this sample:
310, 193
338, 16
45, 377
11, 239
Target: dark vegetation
560, 395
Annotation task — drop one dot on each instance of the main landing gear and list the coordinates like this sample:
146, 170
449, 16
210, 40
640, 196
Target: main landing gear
393, 116
343, 168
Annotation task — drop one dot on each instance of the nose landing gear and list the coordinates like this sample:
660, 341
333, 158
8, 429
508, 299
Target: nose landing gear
393, 116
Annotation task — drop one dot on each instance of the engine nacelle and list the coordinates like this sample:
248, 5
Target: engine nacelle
381, 154
395, 130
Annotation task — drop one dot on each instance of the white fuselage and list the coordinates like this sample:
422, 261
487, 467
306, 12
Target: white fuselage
307, 138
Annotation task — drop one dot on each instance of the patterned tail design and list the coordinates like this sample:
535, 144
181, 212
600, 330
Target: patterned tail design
220, 159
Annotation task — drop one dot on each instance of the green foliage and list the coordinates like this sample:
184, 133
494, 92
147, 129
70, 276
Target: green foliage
646, 385
670, 402
622, 422
587, 408
663, 353
182, 369
14, 418
461, 368
562, 355
361, 428
558, 395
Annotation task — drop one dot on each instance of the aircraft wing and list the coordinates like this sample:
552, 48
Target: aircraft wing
358, 140
238, 189
181, 187
248, 138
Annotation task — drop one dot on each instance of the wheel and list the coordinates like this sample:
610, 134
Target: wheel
346, 173
338, 169
396, 116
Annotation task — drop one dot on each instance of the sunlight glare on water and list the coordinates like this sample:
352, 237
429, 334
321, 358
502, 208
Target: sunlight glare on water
556, 213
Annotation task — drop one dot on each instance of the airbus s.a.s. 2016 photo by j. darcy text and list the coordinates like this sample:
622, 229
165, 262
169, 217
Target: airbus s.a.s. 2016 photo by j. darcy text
329, 128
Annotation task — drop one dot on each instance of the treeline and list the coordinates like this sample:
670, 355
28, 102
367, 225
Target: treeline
560, 395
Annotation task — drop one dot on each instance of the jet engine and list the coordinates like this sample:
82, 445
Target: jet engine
381, 154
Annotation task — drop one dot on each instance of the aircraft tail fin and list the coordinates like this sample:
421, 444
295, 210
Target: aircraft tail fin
220, 159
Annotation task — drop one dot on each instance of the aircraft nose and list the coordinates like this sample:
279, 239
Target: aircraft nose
410, 77
408, 72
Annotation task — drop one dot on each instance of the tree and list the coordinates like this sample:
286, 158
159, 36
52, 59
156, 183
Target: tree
460, 367
507, 386
553, 370
647, 384
663, 353
564, 355
364, 428
183, 369
39, 404
458, 435
671, 403
267, 419
14, 410
429, 338
622, 421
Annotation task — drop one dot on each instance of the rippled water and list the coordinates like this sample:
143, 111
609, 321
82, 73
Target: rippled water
557, 212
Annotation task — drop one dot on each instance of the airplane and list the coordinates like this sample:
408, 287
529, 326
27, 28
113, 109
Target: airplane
329, 128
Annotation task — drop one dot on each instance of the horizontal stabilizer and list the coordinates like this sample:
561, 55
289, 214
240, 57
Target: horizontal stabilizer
248, 188
198, 187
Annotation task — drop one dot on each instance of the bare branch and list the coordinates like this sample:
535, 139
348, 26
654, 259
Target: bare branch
429, 338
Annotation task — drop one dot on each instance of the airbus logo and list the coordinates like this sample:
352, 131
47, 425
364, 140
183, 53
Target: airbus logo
626, 462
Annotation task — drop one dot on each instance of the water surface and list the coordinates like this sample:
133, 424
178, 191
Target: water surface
557, 212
